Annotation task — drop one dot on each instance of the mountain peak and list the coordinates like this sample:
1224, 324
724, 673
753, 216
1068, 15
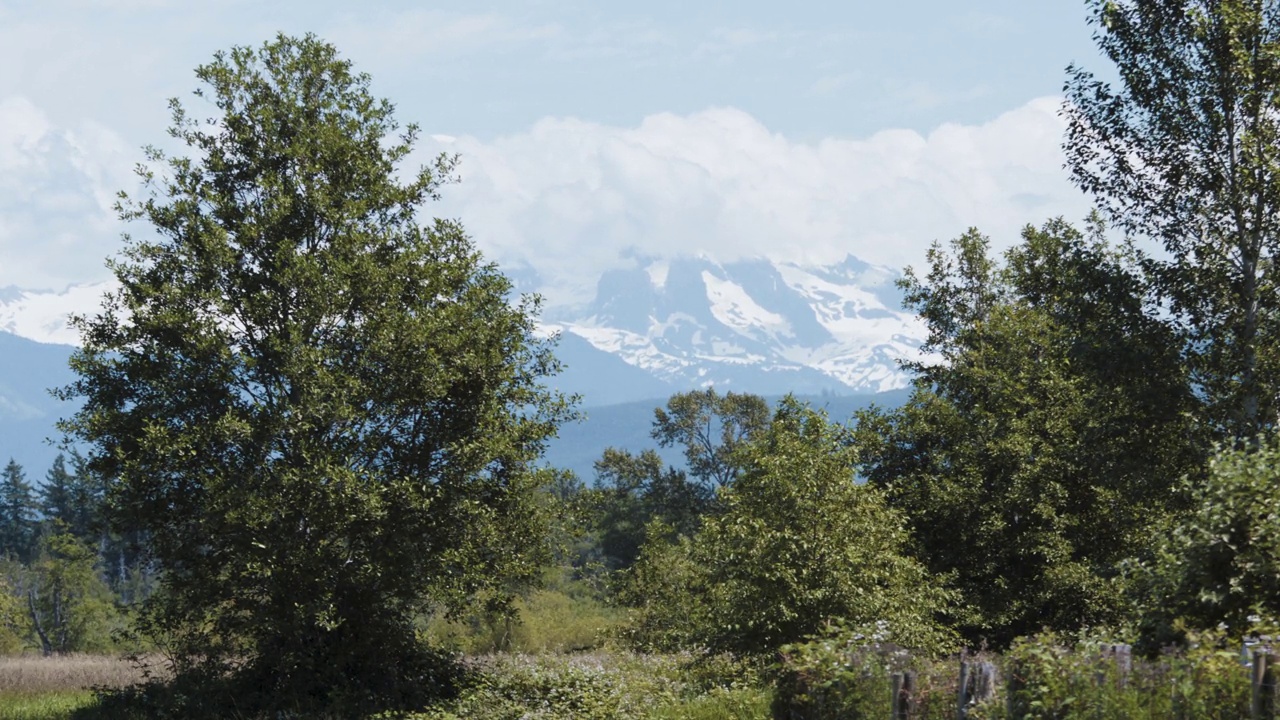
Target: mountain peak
753, 324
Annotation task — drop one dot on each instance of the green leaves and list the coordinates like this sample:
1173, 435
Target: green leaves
797, 544
1218, 563
1044, 439
1184, 150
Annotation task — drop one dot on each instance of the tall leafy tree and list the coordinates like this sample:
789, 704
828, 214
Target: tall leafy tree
636, 493
68, 605
1044, 433
709, 428
18, 513
320, 413
1186, 150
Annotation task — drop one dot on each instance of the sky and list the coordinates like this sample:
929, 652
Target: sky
592, 135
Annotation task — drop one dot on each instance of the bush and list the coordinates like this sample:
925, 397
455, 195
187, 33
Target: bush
797, 545
847, 673
610, 686
1219, 564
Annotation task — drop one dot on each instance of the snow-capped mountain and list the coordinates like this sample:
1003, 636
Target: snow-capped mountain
754, 325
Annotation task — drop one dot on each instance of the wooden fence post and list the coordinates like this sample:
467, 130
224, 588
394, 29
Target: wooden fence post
1263, 705
1123, 655
977, 685
904, 685
1014, 685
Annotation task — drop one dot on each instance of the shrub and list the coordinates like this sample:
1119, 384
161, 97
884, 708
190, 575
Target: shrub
1220, 563
798, 544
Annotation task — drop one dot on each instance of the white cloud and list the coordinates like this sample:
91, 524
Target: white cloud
572, 198
57, 188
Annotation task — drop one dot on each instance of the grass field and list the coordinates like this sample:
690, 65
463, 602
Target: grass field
42, 705
51, 688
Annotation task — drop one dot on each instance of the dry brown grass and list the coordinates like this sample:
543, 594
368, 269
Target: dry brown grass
35, 674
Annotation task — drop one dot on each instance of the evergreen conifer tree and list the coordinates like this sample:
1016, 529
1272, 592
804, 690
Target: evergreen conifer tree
17, 513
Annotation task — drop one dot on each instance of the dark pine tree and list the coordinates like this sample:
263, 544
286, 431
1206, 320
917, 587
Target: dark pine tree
17, 513
56, 499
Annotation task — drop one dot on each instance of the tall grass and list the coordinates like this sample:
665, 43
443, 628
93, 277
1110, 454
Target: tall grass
31, 674
561, 618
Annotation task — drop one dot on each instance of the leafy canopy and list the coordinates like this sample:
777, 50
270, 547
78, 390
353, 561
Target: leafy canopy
1184, 150
1045, 431
797, 544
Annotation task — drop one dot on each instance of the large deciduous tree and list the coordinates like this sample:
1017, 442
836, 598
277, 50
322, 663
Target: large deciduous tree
1045, 432
320, 413
1184, 150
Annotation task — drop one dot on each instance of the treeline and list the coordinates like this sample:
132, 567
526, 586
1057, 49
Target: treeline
66, 581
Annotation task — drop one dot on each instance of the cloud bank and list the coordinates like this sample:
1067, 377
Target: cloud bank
568, 199
57, 190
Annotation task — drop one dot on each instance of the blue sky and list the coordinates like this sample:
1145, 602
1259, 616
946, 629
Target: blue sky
591, 133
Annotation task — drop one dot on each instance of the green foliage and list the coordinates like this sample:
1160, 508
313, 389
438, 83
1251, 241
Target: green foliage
1184, 150
59, 603
632, 493
566, 615
606, 687
839, 674
745, 703
667, 595
636, 494
848, 675
12, 616
710, 428
797, 544
1042, 444
319, 414
57, 500
75, 498
70, 608
1082, 682
1220, 562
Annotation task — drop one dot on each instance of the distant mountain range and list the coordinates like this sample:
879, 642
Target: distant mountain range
27, 411
756, 326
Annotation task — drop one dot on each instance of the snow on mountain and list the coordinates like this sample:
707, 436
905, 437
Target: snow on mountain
42, 315
753, 325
